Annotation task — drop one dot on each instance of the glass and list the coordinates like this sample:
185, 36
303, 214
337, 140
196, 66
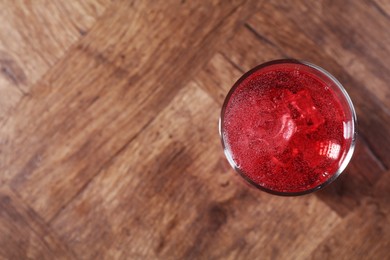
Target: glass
288, 127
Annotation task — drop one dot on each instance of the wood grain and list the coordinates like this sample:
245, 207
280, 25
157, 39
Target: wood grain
24, 234
34, 36
109, 97
109, 145
217, 77
370, 226
167, 179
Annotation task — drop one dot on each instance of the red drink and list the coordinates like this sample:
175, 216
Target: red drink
288, 127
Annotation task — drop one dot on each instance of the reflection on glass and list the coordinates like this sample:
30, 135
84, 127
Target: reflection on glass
347, 129
329, 149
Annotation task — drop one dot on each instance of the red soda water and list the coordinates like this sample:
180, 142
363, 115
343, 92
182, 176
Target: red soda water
287, 127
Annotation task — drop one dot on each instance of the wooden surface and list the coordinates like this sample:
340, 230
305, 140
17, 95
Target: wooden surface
109, 146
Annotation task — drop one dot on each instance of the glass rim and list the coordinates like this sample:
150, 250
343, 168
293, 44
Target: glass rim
351, 148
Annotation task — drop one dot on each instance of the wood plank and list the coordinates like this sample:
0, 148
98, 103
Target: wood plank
9, 95
383, 7
247, 49
364, 234
24, 235
146, 173
365, 168
217, 77
162, 32
174, 199
370, 239
34, 35
356, 37
380, 196
97, 99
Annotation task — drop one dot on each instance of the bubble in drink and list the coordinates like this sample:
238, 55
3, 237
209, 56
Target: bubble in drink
283, 127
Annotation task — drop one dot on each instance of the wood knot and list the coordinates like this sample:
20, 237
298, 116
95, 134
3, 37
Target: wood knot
11, 70
5, 200
217, 217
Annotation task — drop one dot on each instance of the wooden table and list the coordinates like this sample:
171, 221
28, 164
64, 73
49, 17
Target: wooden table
109, 147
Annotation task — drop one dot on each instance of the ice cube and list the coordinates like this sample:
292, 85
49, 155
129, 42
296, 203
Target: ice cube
306, 116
